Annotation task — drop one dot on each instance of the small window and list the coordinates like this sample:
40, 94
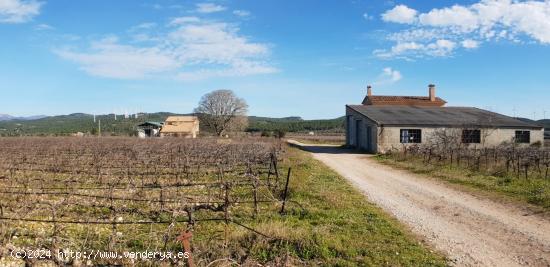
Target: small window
523, 137
411, 136
471, 136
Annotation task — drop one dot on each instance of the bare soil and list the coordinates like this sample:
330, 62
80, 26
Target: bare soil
471, 230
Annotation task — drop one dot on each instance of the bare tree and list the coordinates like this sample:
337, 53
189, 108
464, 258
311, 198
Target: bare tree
222, 110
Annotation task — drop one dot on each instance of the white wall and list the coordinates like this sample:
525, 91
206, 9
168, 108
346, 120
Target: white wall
389, 137
353, 119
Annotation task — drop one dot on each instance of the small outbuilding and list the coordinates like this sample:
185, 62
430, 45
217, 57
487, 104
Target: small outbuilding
383, 123
181, 126
149, 129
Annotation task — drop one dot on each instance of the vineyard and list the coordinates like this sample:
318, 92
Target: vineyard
123, 194
520, 171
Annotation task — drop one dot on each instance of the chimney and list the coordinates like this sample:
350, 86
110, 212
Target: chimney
369, 90
431, 88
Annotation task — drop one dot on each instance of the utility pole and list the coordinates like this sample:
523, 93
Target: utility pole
99, 131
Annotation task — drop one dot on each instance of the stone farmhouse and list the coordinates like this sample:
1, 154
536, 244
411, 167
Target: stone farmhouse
180, 126
176, 126
383, 123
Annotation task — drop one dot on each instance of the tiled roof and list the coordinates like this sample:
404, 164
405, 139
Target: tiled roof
182, 118
439, 117
379, 100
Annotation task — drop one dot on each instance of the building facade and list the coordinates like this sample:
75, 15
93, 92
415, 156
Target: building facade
181, 126
384, 123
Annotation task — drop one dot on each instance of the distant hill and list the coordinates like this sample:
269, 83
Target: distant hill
544, 123
6, 117
295, 124
285, 119
80, 122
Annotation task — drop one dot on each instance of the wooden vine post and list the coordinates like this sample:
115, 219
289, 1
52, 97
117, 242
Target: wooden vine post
226, 212
286, 191
255, 194
185, 238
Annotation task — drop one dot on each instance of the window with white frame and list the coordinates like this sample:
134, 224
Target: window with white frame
411, 136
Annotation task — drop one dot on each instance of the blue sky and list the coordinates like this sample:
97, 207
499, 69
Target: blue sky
286, 58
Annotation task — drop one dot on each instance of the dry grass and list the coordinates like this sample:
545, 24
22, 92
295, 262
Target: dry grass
319, 139
533, 190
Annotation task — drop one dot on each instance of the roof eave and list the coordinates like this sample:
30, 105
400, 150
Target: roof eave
459, 126
371, 119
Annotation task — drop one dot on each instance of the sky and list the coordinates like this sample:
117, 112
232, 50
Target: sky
305, 58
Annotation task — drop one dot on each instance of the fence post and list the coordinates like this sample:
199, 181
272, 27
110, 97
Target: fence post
269, 171
286, 191
276, 171
184, 238
226, 213
255, 194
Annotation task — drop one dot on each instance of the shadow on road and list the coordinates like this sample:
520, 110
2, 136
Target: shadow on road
323, 149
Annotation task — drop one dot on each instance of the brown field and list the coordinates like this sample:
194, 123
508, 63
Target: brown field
119, 194
122, 195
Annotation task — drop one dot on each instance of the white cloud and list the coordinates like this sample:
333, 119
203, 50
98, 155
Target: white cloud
241, 13
392, 74
441, 47
213, 43
190, 51
388, 76
471, 25
238, 69
18, 11
183, 20
367, 16
108, 58
470, 44
455, 16
400, 14
209, 8
143, 26
410, 50
44, 27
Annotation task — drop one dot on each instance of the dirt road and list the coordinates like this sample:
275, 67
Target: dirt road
472, 231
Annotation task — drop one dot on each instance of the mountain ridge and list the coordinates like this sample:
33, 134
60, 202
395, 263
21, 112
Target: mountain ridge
7, 117
82, 122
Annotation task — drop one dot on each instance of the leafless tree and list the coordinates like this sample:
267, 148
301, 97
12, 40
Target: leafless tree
222, 110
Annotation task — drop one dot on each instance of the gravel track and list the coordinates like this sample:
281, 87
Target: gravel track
470, 230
